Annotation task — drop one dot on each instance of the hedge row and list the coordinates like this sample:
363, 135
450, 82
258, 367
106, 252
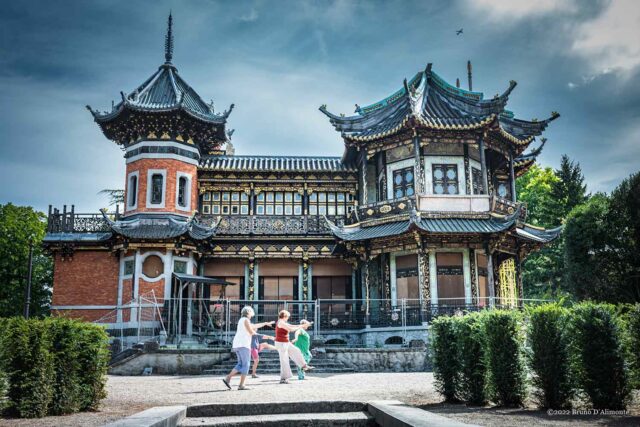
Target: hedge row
52, 366
588, 351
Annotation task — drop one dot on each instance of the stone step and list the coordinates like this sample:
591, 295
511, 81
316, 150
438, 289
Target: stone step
322, 419
266, 408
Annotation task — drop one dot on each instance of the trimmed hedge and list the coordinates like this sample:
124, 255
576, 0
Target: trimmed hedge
633, 344
53, 366
470, 338
548, 357
503, 355
444, 355
598, 355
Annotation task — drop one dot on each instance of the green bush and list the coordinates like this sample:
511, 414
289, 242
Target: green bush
548, 357
65, 345
633, 344
93, 357
597, 355
503, 356
28, 366
53, 366
471, 386
444, 356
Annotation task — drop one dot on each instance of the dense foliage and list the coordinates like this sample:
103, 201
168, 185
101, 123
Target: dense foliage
598, 355
19, 224
632, 341
471, 384
503, 356
548, 356
444, 356
53, 366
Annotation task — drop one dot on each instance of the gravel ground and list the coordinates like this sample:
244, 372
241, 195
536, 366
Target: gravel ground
128, 395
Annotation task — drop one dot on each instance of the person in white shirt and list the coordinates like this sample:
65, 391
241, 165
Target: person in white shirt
242, 346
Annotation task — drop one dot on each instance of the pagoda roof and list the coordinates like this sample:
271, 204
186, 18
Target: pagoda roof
521, 164
429, 101
162, 96
439, 225
160, 227
275, 164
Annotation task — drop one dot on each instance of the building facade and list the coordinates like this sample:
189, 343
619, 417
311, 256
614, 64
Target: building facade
420, 211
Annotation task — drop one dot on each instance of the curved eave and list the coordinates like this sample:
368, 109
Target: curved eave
538, 235
528, 130
149, 109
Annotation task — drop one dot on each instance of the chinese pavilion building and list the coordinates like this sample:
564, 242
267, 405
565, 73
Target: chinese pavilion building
420, 211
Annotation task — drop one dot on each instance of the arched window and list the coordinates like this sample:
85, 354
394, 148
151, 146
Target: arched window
156, 188
394, 341
132, 191
182, 191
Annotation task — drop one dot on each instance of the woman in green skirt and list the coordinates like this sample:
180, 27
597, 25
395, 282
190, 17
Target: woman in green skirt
303, 342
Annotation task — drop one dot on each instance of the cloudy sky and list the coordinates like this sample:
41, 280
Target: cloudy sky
278, 61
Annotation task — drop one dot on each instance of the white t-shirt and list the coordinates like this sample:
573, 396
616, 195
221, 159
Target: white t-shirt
242, 337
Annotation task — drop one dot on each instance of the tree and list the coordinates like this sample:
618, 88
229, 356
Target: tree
567, 192
19, 224
534, 189
586, 235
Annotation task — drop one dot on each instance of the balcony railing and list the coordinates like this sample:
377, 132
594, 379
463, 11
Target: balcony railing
68, 221
271, 224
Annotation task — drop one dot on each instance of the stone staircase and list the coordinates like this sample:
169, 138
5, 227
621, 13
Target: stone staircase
270, 364
285, 414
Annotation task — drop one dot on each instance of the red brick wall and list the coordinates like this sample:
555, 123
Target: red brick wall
172, 167
87, 278
88, 315
146, 287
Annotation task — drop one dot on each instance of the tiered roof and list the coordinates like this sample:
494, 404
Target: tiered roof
427, 101
170, 106
275, 164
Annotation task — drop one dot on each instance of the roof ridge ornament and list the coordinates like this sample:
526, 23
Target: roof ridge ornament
168, 41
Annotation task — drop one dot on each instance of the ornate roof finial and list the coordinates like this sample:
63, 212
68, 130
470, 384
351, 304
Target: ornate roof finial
168, 41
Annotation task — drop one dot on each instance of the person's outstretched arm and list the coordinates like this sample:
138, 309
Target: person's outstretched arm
263, 324
296, 336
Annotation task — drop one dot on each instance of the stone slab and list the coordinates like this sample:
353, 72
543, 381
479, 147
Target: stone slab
393, 413
159, 416
284, 420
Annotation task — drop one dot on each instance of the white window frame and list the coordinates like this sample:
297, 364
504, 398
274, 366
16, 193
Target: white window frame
129, 207
391, 167
187, 195
429, 161
150, 173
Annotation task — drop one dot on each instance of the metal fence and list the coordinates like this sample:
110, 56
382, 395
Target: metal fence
191, 322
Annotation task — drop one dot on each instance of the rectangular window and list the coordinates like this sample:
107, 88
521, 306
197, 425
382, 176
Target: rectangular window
225, 203
180, 266
128, 267
445, 179
156, 188
477, 181
133, 190
450, 278
279, 203
403, 182
182, 192
330, 203
407, 286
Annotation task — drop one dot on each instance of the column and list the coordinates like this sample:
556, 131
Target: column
483, 166
363, 177
490, 278
466, 271
418, 173
512, 176
392, 284
251, 283
474, 276
467, 172
119, 297
423, 276
520, 291
246, 281
301, 282
366, 284
433, 277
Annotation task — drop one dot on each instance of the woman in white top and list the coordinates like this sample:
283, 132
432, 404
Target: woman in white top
242, 346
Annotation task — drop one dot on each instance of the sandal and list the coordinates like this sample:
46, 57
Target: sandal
308, 367
284, 382
254, 376
243, 388
226, 382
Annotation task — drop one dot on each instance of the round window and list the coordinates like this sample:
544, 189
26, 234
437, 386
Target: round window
152, 266
502, 190
438, 174
439, 189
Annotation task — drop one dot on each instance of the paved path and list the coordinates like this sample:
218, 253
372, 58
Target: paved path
128, 395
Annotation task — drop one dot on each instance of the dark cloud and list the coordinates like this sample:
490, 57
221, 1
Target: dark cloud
278, 61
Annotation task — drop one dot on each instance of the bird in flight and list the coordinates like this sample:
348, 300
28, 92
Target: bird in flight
459, 32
